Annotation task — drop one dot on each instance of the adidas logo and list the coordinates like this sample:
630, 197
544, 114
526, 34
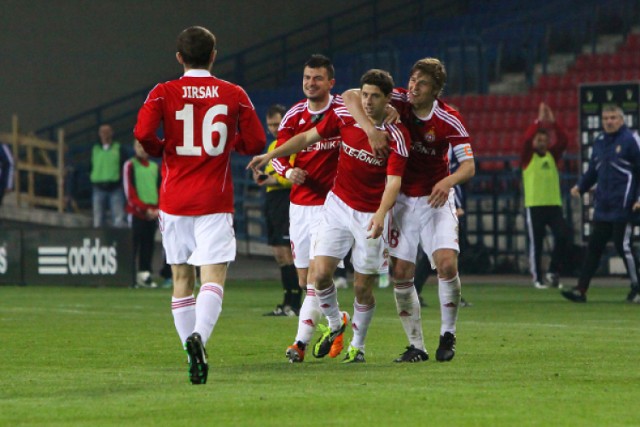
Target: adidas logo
450, 305
354, 327
404, 313
309, 322
301, 122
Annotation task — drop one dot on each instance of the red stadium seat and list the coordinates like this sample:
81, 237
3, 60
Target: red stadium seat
590, 76
569, 121
583, 62
631, 74
568, 81
502, 102
633, 41
616, 61
490, 102
507, 120
548, 82
522, 120
472, 103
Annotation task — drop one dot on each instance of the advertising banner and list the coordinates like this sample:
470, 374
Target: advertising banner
10, 257
91, 257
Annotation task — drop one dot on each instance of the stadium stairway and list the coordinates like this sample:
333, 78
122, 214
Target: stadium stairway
498, 121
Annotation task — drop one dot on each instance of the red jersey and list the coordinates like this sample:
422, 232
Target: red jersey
430, 139
361, 177
320, 160
203, 118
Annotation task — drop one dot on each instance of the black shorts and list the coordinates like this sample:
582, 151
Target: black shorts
276, 208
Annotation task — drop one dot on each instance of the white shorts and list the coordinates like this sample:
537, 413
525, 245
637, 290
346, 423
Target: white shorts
414, 222
198, 240
343, 228
303, 228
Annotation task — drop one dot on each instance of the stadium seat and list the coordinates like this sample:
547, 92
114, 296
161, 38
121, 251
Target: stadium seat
502, 103
491, 102
568, 81
472, 103
633, 41
583, 62
569, 121
548, 82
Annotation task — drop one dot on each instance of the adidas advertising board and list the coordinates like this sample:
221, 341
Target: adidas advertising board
78, 257
10, 256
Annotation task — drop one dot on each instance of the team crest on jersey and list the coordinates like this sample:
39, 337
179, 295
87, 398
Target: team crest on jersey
430, 136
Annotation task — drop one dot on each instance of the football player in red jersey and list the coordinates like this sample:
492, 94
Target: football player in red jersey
312, 174
204, 119
425, 211
355, 210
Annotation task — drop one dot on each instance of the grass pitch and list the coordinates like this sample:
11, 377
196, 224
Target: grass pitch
525, 357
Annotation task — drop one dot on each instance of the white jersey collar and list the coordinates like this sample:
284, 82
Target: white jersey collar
197, 73
433, 108
325, 108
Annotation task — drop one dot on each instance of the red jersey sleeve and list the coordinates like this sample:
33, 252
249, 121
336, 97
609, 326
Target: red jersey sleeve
527, 146
330, 126
149, 118
400, 141
250, 139
458, 131
282, 164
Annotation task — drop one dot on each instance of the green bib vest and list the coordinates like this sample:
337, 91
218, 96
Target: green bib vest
541, 182
146, 178
105, 164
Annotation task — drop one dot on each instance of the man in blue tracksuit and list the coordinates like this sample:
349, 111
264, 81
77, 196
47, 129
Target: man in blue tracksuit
614, 167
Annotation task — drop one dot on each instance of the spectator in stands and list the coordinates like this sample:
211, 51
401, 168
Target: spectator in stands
542, 198
276, 209
141, 179
107, 160
6, 170
614, 168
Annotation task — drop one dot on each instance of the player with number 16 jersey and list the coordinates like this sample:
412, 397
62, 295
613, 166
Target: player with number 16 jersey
204, 119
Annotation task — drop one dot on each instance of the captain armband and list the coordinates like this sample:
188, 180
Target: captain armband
463, 152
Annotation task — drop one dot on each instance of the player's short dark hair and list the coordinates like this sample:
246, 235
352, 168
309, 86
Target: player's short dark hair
432, 67
195, 45
276, 109
380, 78
320, 61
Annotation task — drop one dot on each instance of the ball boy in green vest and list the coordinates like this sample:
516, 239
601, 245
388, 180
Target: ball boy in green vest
542, 198
141, 179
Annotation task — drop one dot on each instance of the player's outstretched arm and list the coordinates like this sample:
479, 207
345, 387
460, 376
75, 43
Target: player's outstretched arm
292, 146
391, 191
377, 138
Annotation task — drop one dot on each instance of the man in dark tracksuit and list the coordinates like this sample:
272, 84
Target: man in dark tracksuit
614, 167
